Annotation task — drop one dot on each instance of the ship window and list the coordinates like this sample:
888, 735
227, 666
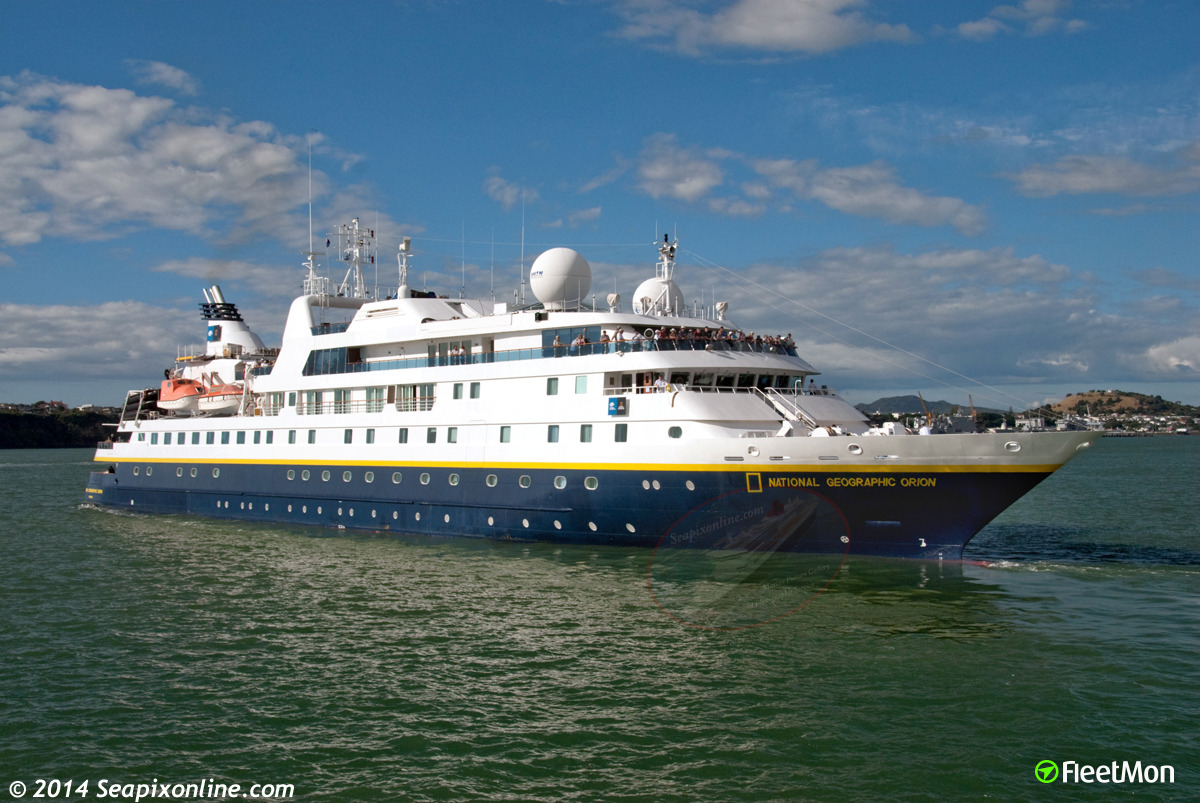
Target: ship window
179, 472
585, 433
348, 436
216, 473
325, 475
312, 436
621, 435
452, 435
560, 482
270, 436
679, 378
210, 438
581, 384
552, 433
224, 438
375, 399
505, 434
431, 435
745, 380
149, 470
458, 390
492, 479
241, 438
724, 380
304, 475
425, 478
257, 437
403, 434
347, 476
675, 432
453, 479
193, 472
703, 380
292, 399
370, 436
137, 470
291, 475
591, 483
552, 386
369, 476
291, 436
196, 438
474, 390
525, 481
153, 438
396, 477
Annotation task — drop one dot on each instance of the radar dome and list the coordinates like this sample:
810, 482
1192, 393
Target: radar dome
560, 278
657, 296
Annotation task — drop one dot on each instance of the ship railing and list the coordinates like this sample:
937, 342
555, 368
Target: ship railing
619, 390
339, 407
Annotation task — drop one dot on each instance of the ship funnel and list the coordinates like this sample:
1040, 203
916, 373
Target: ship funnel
217, 297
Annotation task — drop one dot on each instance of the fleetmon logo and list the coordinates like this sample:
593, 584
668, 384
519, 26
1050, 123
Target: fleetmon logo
1046, 771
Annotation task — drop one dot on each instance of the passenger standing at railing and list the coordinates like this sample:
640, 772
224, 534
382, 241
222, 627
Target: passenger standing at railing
619, 339
559, 348
604, 341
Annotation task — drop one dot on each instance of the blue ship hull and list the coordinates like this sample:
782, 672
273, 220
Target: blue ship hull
921, 513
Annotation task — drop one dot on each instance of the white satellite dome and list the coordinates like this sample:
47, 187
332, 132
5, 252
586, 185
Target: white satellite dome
560, 278
657, 296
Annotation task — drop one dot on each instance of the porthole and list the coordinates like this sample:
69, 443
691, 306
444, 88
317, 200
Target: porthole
216, 473
525, 523
492, 479
304, 475
592, 526
179, 472
395, 515
304, 508
318, 510
525, 481
243, 506
351, 512
347, 476
149, 470
373, 514
630, 527
675, 432
289, 508
446, 518
691, 486
137, 471
266, 505
646, 485
752, 451
417, 516
1011, 446
194, 472
491, 521
655, 485
560, 482
339, 511
396, 478
854, 448
291, 475
591, 483
453, 479
425, 479
369, 477
325, 475
557, 524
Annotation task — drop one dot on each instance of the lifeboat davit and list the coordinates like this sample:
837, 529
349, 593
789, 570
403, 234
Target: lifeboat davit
180, 396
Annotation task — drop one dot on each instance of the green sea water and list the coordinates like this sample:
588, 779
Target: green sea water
363, 667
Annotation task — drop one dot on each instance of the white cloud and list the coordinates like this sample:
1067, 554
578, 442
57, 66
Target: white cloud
670, 171
160, 74
88, 163
1035, 17
803, 26
1077, 175
506, 193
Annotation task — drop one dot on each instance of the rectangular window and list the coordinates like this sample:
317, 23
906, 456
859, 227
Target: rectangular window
458, 390
348, 436
341, 401
370, 436
415, 397
505, 434
581, 384
585, 433
431, 435
196, 438
270, 436
622, 433
257, 437
312, 402
241, 437
452, 435
210, 438
291, 436
552, 433
375, 399
153, 438
474, 390
552, 386
404, 434
292, 399
224, 438
312, 436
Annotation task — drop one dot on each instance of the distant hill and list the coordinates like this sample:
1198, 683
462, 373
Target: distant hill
910, 404
1110, 402
73, 428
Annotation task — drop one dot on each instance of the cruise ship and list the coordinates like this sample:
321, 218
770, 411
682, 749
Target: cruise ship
660, 426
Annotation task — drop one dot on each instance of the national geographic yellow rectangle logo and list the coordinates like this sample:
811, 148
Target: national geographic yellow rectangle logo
754, 483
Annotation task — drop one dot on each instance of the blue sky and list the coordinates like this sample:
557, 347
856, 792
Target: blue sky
920, 192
